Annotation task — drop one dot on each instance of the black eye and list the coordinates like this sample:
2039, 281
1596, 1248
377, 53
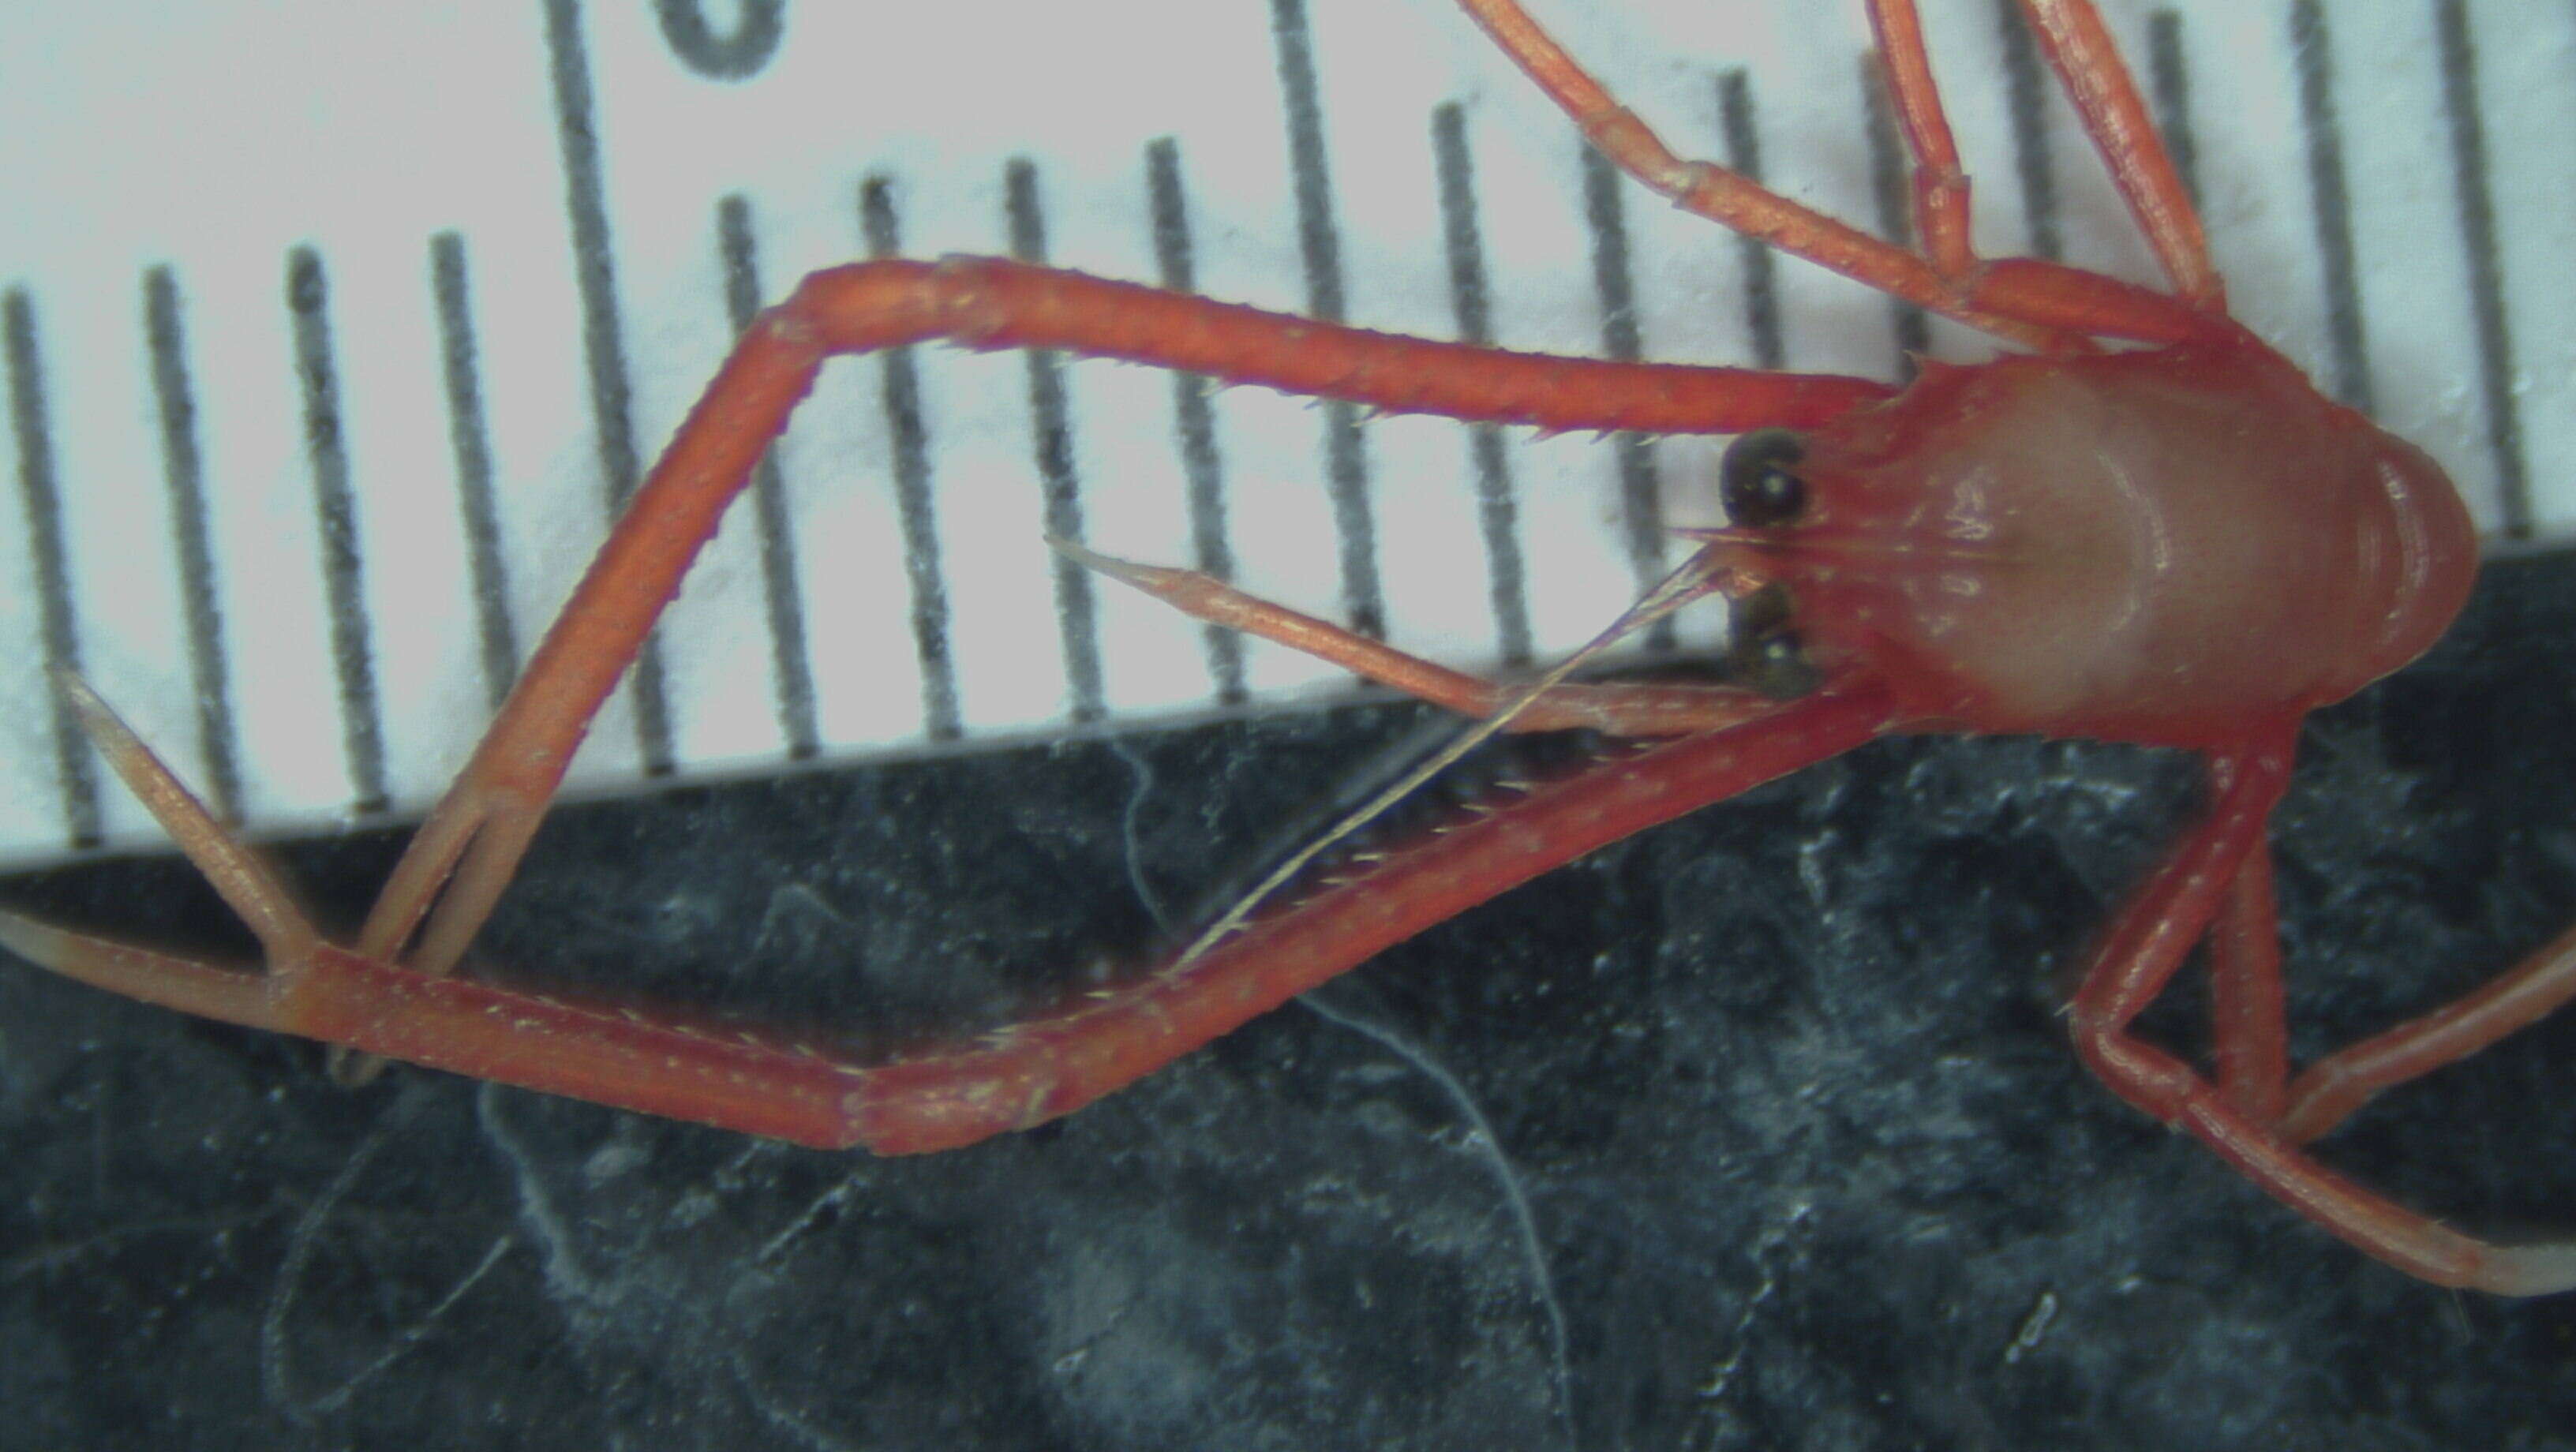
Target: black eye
1758, 479
1767, 656
1777, 666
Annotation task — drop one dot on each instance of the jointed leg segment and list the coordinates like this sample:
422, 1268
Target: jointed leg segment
1013, 1078
464, 856
2329, 1090
2248, 1018
2040, 305
2147, 944
2079, 49
379, 997
1940, 182
472, 843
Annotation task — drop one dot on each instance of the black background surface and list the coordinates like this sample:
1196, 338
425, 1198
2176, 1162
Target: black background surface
1755, 1131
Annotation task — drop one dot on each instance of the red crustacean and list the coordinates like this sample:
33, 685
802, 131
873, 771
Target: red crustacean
2173, 541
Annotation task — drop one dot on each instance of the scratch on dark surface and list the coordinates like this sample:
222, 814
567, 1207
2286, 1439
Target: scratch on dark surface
274, 1374
773, 1409
1835, 993
2034, 1329
816, 1210
555, 1238
276, 1370
1140, 790
1533, 1247
1722, 1377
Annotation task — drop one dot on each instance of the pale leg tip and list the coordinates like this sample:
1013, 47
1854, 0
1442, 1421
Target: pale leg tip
42, 944
2530, 1270
146, 974
1078, 552
1142, 576
95, 714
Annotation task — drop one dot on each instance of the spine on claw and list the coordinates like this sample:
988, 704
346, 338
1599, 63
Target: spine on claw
1032, 1072
740, 1082
1060, 1062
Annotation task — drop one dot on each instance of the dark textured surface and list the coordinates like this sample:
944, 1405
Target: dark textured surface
1757, 1131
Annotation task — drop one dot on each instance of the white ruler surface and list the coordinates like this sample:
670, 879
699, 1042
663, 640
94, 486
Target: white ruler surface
331, 330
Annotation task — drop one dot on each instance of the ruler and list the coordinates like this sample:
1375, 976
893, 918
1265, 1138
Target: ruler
333, 332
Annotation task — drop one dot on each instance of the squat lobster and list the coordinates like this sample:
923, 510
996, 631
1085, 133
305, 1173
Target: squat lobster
2178, 544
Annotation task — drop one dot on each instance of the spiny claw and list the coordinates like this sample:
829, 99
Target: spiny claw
1204, 596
